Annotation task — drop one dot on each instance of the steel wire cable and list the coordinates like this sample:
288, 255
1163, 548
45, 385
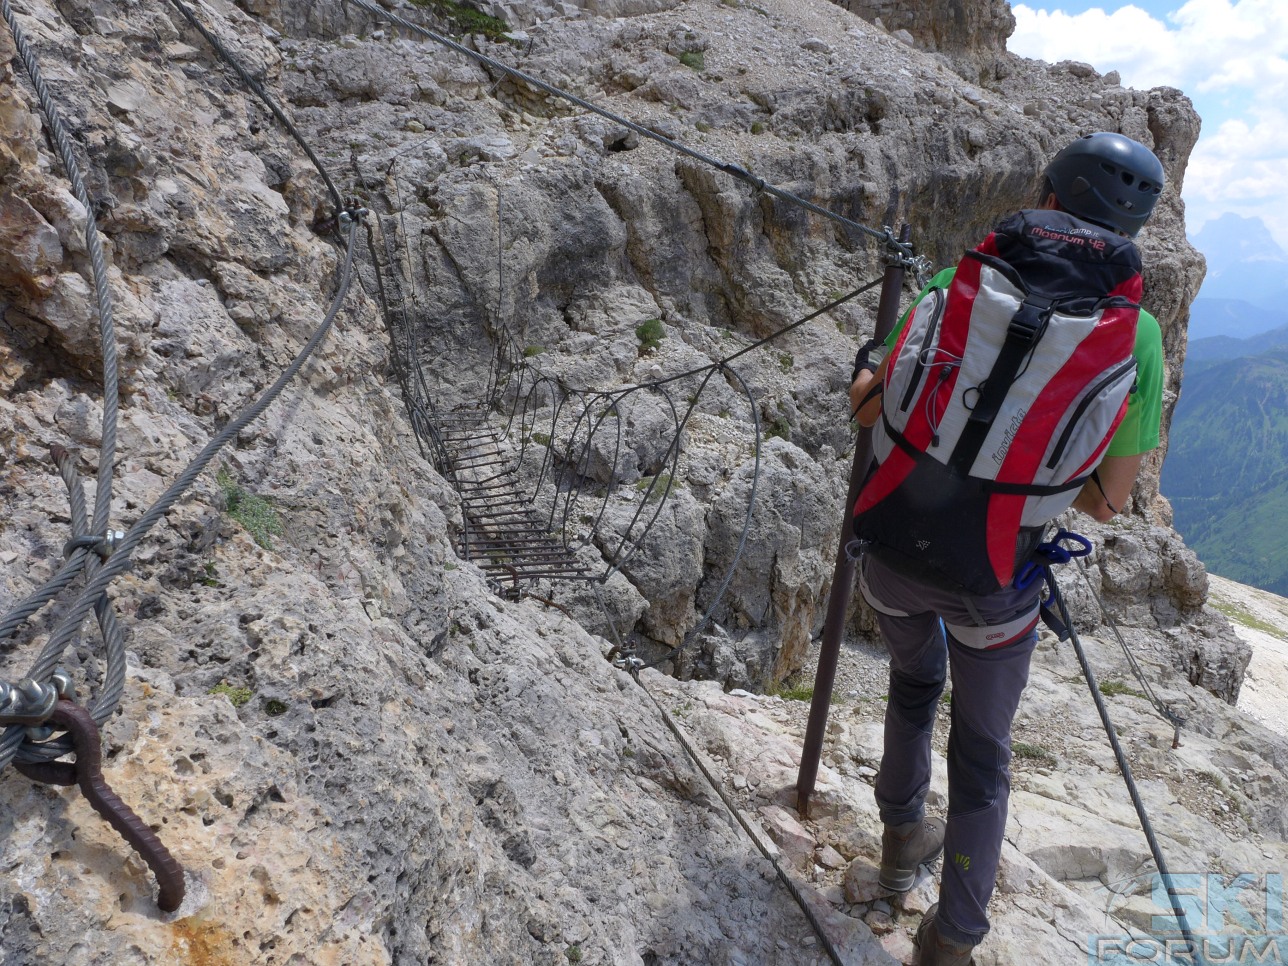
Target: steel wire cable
731, 169
92, 595
226, 55
103, 305
120, 559
1177, 721
823, 938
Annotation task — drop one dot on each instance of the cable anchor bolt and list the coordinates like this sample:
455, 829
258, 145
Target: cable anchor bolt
629, 663
104, 546
348, 216
31, 703
87, 773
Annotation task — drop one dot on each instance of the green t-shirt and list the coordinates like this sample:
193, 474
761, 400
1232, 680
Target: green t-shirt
1138, 432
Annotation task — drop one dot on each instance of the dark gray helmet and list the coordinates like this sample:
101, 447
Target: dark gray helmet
1108, 179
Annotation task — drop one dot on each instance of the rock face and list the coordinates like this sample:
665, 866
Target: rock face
972, 33
359, 752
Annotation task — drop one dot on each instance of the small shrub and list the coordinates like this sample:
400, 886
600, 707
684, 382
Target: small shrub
533, 350
273, 707
758, 127
541, 439
779, 428
255, 513
651, 332
703, 126
794, 692
1111, 688
209, 575
786, 361
467, 20
1035, 753
693, 59
664, 485
573, 954
238, 696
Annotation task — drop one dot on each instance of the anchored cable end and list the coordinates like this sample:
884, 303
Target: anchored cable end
31, 703
354, 213
104, 545
629, 663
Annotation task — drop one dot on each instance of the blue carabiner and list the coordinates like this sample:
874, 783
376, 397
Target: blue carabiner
1049, 553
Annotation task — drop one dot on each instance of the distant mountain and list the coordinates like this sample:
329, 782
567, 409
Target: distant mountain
1233, 318
1244, 264
1226, 473
1203, 352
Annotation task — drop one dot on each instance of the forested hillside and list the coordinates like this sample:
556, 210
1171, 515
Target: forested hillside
1227, 469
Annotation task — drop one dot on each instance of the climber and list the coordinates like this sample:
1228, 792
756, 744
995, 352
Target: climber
1113, 183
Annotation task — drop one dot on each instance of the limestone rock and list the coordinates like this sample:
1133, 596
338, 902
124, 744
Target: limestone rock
362, 754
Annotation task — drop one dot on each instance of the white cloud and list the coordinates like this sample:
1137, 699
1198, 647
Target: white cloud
1219, 52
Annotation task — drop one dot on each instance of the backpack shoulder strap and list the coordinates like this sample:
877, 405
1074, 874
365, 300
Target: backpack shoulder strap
1022, 335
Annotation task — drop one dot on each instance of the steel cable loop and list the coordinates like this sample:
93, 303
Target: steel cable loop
120, 559
226, 55
731, 169
92, 597
102, 296
112, 685
707, 617
80, 558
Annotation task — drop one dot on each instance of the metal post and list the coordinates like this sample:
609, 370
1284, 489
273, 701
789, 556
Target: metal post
838, 600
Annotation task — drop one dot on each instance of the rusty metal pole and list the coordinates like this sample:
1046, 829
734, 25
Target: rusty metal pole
838, 600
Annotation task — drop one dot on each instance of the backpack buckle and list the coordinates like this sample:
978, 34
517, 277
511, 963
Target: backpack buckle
1028, 320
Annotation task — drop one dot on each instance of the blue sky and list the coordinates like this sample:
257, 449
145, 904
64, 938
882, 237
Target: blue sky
1229, 56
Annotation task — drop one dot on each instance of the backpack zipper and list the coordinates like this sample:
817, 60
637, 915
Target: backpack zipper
915, 379
1082, 408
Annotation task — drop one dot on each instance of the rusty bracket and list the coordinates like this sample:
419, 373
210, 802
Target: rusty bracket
87, 772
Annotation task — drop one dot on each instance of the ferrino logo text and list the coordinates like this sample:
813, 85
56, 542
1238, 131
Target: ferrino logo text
1070, 236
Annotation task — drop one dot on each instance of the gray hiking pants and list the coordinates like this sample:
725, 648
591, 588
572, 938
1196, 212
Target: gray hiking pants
988, 643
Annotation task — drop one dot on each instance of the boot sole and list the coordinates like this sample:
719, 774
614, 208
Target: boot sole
901, 880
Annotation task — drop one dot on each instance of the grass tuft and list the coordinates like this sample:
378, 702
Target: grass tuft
651, 332
238, 696
1111, 688
1035, 753
255, 513
467, 20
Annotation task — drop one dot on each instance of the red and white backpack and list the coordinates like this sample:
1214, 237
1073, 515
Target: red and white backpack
1000, 398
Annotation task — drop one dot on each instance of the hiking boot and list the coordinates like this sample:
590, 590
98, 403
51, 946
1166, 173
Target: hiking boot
904, 847
934, 950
